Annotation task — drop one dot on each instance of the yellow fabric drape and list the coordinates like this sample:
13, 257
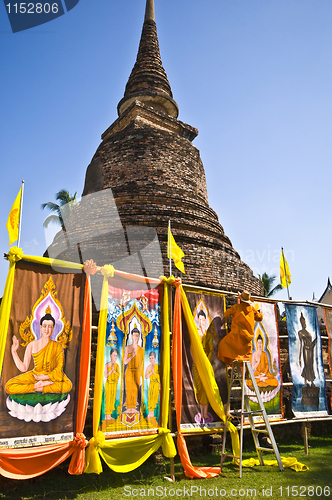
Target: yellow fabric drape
287, 462
125, 455
206, 374
5, 310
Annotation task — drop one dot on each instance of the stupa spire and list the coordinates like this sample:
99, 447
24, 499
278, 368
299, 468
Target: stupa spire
149, 11
148, 81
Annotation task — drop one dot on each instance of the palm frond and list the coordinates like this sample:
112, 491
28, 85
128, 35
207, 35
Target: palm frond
52, 218
274, 290
64, 197
53, 207
67, 203
268, 283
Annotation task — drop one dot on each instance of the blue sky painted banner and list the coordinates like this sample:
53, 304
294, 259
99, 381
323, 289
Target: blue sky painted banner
306, 361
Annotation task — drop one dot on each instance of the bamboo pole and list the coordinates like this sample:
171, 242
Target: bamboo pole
255, 297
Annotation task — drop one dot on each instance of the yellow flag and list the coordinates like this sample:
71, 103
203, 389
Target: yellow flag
284, 272
13, 221
176, 252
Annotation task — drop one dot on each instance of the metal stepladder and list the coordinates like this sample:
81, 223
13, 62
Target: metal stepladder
243, 367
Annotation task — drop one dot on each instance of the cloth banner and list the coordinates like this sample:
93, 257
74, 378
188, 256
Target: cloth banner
206, 375
265, 361
208, 314
306, 362
131, 394
45, 338
131, 380
328, 323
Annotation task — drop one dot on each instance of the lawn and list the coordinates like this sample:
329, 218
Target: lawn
148, 481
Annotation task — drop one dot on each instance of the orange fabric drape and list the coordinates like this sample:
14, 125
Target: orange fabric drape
189, 470
77, 463
31, 462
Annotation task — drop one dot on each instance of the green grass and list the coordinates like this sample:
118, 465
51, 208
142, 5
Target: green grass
59, 485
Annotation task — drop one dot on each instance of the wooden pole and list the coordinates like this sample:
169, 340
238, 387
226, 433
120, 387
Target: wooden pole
305, 427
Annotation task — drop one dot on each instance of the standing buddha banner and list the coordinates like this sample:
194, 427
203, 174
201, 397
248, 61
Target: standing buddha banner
207, 311
45, 332
265, 362
306, 361
132, 359
132, 380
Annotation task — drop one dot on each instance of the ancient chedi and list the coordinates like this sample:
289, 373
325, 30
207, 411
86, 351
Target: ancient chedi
156, 174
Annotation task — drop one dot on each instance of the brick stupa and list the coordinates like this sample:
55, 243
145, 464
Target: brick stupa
156, 174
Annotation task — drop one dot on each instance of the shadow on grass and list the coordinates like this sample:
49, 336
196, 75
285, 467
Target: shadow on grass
59, 485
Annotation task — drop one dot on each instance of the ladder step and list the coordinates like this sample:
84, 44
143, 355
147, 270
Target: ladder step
241, 375
246, 413
224, 456
230, 456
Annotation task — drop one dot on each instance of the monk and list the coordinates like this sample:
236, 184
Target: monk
47, 375
112, 374
133, 358
152, 372
237, 344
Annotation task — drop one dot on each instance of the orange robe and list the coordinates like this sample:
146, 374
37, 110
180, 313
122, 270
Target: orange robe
110, 390
133, 377
263, 368
154, 389
48, 361
238, 341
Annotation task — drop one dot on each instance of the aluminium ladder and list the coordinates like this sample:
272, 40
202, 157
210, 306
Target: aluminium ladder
243, 367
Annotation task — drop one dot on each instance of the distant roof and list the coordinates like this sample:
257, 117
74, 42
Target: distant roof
326, 291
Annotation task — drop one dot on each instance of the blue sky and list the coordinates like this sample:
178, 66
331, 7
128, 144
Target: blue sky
255, 78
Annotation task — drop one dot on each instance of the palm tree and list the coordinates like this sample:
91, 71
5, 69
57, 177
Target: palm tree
66, 203
267, 283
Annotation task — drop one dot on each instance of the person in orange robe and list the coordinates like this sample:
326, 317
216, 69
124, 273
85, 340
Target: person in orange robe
133, 358
237, 344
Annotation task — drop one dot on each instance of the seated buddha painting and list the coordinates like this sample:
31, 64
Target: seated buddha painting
264, 366
41, 391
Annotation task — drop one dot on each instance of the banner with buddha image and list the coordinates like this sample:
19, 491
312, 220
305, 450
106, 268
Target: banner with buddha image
265, 362
208, 313
328, 323
39, 376
306, 361
131, 378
